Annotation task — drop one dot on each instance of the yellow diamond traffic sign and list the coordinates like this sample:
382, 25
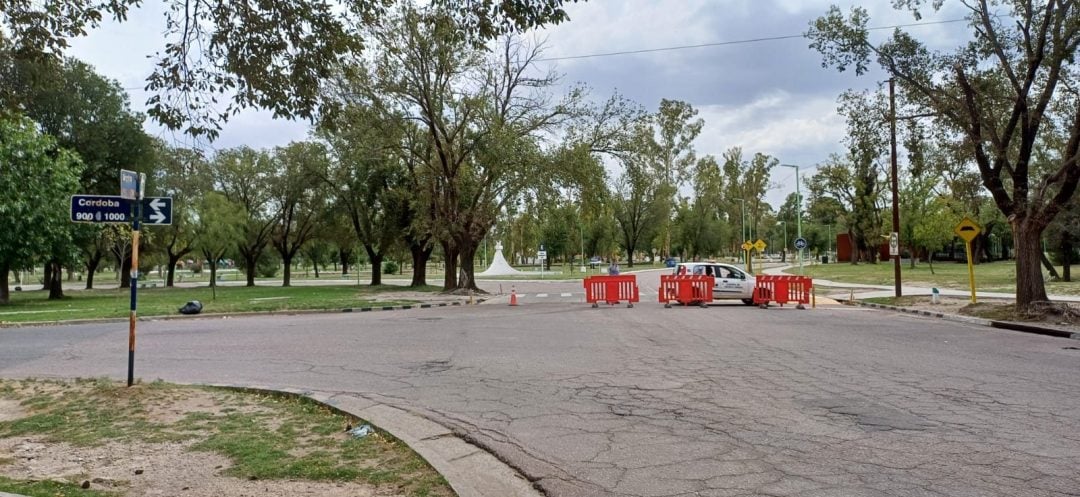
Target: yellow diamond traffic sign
759, 245
967, 229
747, 246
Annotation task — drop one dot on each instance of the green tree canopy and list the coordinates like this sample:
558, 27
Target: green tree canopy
37, 178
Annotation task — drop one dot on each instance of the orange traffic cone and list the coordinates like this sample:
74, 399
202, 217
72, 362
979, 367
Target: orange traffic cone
513, 296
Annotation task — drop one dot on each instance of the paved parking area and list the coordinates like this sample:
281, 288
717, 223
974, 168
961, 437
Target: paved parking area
724, 401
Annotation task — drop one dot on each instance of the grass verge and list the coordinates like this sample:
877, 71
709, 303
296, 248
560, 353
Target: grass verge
266, 437
48, 489
26, 307
989, 277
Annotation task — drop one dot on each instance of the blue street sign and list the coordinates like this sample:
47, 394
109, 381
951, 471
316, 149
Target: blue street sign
157, 210
129, 184
800, 243
100, 209
115, 209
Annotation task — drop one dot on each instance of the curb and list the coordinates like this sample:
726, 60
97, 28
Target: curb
284, 312
1004, 325
470, 470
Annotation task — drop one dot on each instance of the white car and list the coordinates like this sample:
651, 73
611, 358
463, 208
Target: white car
730, 282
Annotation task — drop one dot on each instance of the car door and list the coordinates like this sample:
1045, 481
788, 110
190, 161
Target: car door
728, 283
742, 284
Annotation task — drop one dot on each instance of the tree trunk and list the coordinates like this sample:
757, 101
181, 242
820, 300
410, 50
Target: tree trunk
47, 279
420, 257
250, 259
91, 267
468, 268
5, 292
1029, 281
1048, 265
930, 259
344, 256
316, 264
171, 273
376, 267
286, 277
56, 288
450, 277
1066, 260
125, 272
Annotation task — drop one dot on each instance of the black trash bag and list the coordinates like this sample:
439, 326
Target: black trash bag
193, 307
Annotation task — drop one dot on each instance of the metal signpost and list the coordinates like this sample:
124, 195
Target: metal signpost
542, 255
800, 245
759, 245
968, 230
129, 206
746, 246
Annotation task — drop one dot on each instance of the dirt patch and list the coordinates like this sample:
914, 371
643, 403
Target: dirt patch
138, 469
1057, 315
11, 410
167, 440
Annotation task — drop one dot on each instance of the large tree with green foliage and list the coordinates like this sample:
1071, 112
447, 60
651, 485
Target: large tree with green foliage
183, 175
1001, 93
481, 112
300, 197
37, 179
221, 56
368, 178
220, 223
245, 176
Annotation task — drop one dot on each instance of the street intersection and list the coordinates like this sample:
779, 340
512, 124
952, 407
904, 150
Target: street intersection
646, 401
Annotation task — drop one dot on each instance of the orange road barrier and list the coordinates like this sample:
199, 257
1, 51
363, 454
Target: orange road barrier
611, 290
686, 289
783, 289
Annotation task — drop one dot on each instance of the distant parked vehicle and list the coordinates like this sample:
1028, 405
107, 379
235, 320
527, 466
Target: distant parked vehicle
671, 262
595, 261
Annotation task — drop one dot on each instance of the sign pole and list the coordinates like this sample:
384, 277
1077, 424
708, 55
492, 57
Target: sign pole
971, 270
967, 230
134, 284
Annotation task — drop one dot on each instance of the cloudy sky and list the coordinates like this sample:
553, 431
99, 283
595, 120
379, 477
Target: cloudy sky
764, 96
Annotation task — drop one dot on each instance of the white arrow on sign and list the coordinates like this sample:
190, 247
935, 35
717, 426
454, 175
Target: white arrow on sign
157, 216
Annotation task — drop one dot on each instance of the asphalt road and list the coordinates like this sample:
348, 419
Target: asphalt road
729, 400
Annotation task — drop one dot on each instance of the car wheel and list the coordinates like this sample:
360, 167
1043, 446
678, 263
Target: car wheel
748, 301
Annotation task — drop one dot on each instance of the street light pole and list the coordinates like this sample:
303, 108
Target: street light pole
785, 240
742, 230
798, 210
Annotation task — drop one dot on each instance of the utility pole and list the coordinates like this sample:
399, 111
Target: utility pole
798, 210
895, 182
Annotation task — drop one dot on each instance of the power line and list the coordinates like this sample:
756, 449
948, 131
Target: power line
733, 42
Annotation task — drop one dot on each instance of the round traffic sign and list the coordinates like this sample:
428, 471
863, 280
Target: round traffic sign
800, 243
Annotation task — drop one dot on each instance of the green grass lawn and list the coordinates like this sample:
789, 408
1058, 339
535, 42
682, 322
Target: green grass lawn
989, 277
82, 304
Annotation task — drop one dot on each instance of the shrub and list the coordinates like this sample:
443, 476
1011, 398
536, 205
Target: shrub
390, 267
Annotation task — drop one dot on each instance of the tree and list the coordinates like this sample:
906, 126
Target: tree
182, 175
245, 177
933, 228
1002, 93
37, 178
676, 130
482, 114
300, 199
369, 180
640, 205
746, 183
220, 224
274, 54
